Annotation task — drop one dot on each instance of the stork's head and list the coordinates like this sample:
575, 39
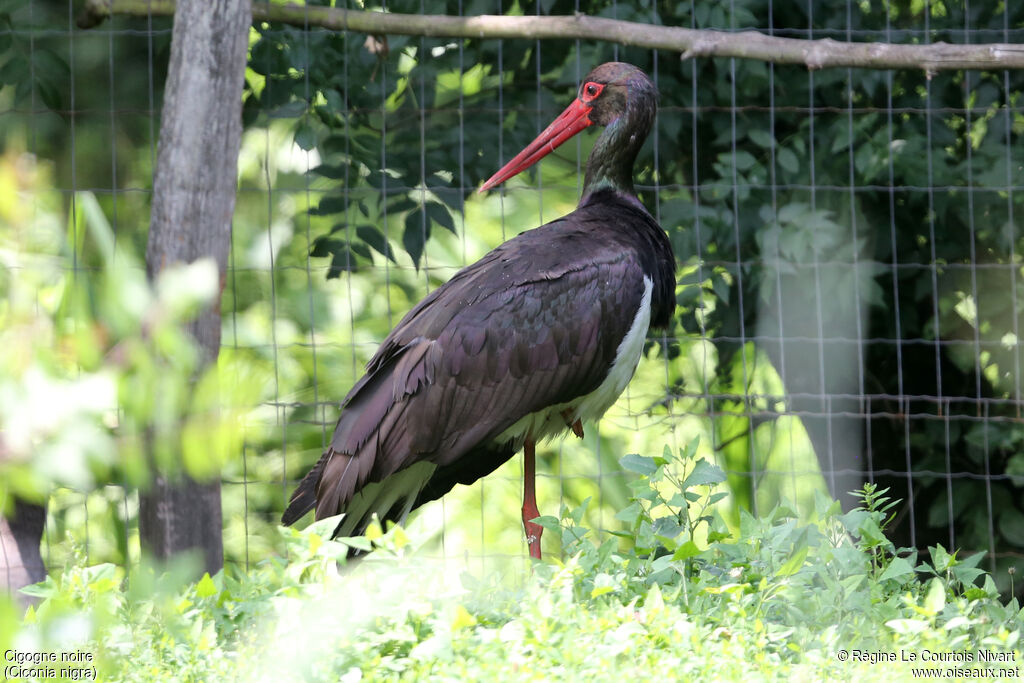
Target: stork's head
616, 95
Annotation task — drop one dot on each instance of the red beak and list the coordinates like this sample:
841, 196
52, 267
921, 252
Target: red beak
571, 121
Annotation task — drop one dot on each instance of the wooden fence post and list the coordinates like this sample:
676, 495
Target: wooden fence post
20, 560
193, 202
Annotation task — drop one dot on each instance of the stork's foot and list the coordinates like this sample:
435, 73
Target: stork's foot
533, 530
576, 427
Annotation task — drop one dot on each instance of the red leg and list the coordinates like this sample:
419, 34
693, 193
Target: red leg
533, 531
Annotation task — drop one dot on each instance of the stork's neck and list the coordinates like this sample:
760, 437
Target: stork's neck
610, 165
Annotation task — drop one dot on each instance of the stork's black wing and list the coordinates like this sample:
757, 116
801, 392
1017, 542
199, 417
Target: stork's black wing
535, 323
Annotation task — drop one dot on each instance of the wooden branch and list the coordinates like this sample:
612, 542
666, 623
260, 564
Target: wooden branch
814, 54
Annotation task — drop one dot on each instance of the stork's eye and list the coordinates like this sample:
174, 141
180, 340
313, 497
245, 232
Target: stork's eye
591, 90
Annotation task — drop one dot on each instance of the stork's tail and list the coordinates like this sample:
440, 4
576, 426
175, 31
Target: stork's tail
304, 496
365, 469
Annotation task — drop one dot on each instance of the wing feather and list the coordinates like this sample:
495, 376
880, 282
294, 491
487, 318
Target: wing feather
535, 323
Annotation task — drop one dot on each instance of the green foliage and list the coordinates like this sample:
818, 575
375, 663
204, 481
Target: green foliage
779, 600
33, 73
666, 488
100, 379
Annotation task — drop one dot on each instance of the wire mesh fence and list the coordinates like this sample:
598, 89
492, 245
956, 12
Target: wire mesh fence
849, 296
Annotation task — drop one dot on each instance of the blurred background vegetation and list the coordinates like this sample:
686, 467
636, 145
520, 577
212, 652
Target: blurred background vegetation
849, 272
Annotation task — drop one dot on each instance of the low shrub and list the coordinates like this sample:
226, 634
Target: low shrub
677, 595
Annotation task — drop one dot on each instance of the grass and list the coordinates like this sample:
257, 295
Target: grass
674, 596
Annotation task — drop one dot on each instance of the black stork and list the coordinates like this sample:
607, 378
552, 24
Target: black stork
538, 336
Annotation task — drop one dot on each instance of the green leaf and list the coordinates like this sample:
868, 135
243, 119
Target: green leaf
342, 261
744, 160
1011, 525
577, 513
629, 514
305, 136
907, 626
794, 564
842, 138
50, 94
14, 71
721, 288
376, 239
852, 583
704, 474
679, 500
330, 205
871, 534
941, 559
548, 522
277, 93
686, 551
440, 215
266, 57
325, 246
975, 593
330, 171
206, 587
897, 569
48, 64
935, 599
417, 230
760, 137
361, 250
641, 464
334, 99
968, 565
787, 160
357, 542
44, 589
463, 619
715, 536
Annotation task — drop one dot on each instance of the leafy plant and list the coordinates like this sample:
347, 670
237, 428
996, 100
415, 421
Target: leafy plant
774, 599
100, 380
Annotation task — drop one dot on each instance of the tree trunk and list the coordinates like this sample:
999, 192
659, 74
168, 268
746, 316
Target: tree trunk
193, 202
20, 535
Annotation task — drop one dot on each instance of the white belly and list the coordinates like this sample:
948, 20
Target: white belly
551, 421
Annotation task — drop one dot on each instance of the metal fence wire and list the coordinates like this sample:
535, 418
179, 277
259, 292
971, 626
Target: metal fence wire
849, 293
